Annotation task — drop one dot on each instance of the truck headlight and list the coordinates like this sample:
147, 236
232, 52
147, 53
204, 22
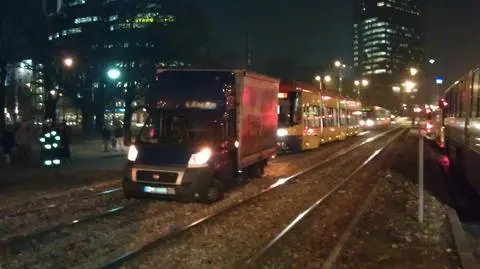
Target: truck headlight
282, 132
370, 123
132, 153
200, 158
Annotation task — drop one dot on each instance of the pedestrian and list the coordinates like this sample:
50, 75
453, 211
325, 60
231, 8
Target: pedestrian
8, 142
119, 137
22, 139
65, 135
106, 137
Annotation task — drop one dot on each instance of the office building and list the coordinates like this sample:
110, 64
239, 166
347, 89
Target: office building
387, 41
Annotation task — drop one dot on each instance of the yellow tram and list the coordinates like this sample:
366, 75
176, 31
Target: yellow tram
309, 117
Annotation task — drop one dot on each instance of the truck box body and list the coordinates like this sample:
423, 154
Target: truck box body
257, 102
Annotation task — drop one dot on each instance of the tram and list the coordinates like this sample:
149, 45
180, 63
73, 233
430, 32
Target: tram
309, 117
375, 117
461, 104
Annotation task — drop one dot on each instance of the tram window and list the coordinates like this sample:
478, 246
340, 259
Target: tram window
476, 95
329, 117
297, 108
316, 116
460, 93
308, 117
343, 116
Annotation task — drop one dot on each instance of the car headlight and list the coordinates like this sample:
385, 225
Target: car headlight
200, 158
370, 123
362, 122
132, 153
282, 132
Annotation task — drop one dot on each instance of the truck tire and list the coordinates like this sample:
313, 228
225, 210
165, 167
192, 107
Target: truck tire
213, 193
256, 170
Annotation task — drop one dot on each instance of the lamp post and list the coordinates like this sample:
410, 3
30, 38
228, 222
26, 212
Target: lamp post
340, 68
363, 83
319, 79
114, 74
68, 62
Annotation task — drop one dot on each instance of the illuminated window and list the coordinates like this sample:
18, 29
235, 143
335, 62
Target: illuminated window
72, 3
71, 31
380, 71
85, 19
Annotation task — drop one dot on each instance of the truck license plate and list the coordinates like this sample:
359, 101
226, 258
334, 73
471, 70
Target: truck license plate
158, 190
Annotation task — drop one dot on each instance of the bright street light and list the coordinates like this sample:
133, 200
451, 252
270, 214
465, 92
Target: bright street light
68, 62
328, 78
357, 83
338, 64
409, 85
318, 78
365, 82
396, 89
431, 61
413, 71
113, 73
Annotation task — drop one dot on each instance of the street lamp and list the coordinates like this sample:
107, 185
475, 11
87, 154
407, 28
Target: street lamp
413, 71
409, 85
319, 79
364, 83
68, 62
340, 67
113, 73
328, 78
396, 89
432, 61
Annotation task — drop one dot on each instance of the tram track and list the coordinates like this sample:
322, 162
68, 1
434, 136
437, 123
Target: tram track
103, 231
320, 222
171, 236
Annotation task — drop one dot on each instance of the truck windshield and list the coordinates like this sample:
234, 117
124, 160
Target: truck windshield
178, 130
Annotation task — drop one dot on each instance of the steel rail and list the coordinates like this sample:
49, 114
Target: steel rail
57, 204
302, 216
121, 259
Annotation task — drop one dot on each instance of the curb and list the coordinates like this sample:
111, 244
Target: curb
465, 253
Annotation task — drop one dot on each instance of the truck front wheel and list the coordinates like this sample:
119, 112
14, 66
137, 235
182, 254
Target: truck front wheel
213, 193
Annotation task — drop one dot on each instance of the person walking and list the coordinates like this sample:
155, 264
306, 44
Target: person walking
8, 142
106, 137
22, 139
119, 137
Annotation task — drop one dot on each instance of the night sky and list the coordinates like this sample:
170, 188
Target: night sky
313, 32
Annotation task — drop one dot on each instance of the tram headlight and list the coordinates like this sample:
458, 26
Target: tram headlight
370, 123
282, 132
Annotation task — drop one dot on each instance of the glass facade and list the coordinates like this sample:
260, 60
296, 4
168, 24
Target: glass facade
387, 36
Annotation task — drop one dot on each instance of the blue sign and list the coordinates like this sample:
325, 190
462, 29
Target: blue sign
439, 80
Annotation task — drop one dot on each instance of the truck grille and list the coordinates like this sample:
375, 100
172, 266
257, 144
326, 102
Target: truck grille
157, 177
